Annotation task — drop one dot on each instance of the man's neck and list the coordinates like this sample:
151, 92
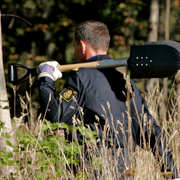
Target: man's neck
95, 53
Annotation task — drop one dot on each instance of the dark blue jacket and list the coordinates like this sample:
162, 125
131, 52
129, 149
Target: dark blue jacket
102, 93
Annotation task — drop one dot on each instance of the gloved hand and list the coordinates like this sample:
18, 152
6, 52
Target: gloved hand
49, 69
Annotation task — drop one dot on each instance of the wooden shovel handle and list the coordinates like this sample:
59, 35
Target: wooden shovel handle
70, 67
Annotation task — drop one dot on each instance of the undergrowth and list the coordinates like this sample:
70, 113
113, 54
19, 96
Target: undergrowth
42, 150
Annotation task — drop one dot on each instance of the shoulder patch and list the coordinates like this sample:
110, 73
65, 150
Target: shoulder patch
76, 69
68, 93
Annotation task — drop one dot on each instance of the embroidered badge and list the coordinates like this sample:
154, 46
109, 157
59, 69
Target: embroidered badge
76, 69
68, 93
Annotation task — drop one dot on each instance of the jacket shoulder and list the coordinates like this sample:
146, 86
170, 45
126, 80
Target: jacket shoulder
91, 78
87, 73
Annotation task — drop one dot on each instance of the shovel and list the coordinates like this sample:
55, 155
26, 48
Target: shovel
147, 60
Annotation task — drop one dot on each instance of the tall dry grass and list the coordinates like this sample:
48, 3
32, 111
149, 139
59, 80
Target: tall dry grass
140, 164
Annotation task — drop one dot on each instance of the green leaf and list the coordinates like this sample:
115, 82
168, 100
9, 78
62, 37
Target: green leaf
20, 32
10, 154
9, 143
45, 143
10, 162
56, 156
59, 173
1, 124
41, 176
25, 140
6, 107
47, 148
16, 150
88, 133
53, 126
42, 164
52, 139
4, 100
6, 158
3, 154
33, 141
6, 135
84, 175
63, 125
51, 160
44, 127
40, 154
97, 162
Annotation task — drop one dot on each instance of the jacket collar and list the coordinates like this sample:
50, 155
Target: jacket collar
98, 58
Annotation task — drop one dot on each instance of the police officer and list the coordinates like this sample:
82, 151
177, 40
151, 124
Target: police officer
100, 93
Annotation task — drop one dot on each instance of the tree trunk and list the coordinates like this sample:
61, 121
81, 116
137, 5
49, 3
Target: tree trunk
178, 89
153, 20
165, 85
153, 36
4, 113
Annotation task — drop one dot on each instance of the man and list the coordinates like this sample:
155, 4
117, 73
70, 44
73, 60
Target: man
100, 93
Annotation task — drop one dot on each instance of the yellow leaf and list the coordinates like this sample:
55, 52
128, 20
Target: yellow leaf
133, 170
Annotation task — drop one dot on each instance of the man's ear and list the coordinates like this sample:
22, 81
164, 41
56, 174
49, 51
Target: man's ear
84, 46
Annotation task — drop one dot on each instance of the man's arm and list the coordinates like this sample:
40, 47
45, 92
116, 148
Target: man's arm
64, 110
48, 102
48, 74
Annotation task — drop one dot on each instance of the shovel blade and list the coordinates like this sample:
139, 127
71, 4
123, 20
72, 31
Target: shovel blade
154, 59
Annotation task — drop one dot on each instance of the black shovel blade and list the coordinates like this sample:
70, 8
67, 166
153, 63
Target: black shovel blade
17, 73
157, 59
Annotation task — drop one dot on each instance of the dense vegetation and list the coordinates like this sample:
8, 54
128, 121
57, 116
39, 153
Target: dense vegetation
42, 30
36, 31
39, 30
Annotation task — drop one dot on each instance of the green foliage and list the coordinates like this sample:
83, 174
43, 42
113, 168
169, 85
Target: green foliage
1, 125
97, 163
5, 107
56, 28
49, 37
6, 158
50, 153
90, 135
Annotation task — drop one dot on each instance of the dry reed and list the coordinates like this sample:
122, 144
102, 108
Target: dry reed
140, 165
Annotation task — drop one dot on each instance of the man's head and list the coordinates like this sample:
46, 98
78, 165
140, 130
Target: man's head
90, 38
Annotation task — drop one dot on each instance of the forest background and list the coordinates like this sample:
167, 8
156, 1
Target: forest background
43, 31
34, 31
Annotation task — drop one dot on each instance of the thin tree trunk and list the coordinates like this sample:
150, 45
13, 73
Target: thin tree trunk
153, 20
167, 19
165, 85
4, 113
153, 35
178, 90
